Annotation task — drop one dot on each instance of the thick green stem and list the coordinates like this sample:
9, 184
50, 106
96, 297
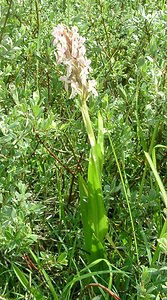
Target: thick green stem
88, 125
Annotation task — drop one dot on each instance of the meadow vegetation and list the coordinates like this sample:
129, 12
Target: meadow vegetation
46, 163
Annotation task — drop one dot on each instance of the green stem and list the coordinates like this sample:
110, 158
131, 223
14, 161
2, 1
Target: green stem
157, 177
6, 19
164, 196
157, 251
38, 43
146, 164
88, 124
127, 198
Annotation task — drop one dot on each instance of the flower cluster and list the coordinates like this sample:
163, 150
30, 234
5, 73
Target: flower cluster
71, 52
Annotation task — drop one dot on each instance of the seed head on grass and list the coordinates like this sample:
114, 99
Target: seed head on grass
70, 51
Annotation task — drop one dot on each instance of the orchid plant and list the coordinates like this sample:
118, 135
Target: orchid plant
71, 52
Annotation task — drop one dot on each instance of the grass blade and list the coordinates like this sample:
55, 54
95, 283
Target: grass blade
157, 177
47, 278
25, 283
164, 196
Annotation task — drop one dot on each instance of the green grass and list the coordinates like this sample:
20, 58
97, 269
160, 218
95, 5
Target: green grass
44, 148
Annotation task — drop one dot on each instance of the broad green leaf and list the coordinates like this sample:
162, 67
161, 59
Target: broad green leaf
84, 211
97, 251
93, 245
100, 139
97, 211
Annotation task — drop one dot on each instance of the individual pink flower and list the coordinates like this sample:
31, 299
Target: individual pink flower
70, 51
91, 87
66, 81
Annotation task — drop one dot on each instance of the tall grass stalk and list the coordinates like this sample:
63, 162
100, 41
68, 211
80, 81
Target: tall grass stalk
146, 164
126, 197
68, 11
46, 276
38, 43
164, 197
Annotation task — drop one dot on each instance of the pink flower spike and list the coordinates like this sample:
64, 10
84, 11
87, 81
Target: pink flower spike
71, 53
